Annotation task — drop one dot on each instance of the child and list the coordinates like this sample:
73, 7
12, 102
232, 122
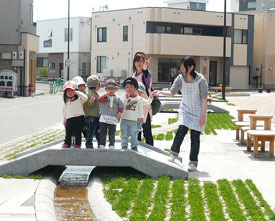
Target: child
80, 84
91, 108
141, 93
73, 114
110, 113
132, 112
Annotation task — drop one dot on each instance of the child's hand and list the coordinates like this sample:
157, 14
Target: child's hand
106, 95
141, 121
65, 122
154, 93
118, 116
92, 99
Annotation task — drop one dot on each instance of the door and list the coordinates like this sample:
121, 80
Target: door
61, 67
213, 73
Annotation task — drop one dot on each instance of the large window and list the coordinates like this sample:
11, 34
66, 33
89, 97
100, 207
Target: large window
66, 34
102, 34
240, 36
48, 43
125, 33
168, 67
100, 63
41, 62
251, 5
52, 66
163, 29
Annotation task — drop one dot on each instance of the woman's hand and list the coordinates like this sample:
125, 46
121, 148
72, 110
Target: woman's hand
154, 93
141, 121
147, 64
118, 116
65, 122
203, 120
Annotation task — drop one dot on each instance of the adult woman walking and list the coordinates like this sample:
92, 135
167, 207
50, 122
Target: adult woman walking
143, 75
193, 109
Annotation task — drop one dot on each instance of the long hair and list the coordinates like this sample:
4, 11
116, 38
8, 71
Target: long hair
138, 56
187, 63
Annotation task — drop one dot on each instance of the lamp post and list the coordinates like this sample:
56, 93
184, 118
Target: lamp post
68, 55
224, 52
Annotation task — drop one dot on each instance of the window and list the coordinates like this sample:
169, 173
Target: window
100, 64
251, 5
66, 34
83, 68
102, 34
52, 66
188, 31
48, 43
125, 33
41, 62
168, 29
240, 36
160, 29
167, 67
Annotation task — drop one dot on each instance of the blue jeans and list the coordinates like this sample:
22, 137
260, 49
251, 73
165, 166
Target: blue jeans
92, 123
128, 130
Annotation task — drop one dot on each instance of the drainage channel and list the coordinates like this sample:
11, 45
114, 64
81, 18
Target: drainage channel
71, 196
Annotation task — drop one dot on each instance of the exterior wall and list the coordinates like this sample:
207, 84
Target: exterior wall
55, 58
239, 77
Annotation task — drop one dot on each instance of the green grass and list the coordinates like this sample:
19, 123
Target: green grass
178, 207
232, 205
269, 212
253, 210
169, 136
137, 197
230, 104
19, 176
156, 126
117, 133
213, 202
195, 200
173, 120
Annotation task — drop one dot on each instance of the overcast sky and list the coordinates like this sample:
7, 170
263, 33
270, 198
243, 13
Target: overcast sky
49, 9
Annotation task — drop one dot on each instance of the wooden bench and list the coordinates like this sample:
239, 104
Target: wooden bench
263, 136
209, 100
218, 89
247, 128
240, 122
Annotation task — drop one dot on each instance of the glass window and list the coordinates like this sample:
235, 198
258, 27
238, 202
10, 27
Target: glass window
100, 64
188, 30
102, 34
238, 36
169, 29
245, 36
66, 34
168, 67
52, 66
251, 5
182, 30
160, 29
48, 43
125, 33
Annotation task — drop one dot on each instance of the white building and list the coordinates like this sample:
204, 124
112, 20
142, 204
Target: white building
54, 42
188, 4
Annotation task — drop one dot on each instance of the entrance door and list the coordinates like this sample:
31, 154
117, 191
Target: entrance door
213, 73
61, 67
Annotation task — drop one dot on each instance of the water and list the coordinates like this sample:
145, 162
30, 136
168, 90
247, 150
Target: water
72, 204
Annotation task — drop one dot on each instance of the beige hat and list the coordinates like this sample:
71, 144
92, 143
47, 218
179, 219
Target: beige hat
93, 81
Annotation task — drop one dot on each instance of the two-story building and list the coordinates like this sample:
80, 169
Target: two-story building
18, 46
53, 46
169, 34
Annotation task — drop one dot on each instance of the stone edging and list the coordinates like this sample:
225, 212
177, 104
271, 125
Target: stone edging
44, 201
100, 207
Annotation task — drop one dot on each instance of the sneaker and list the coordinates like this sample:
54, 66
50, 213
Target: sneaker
192, 167
101, 147
112, 147
134, 148
76, 146
171, 158
124, 148
65, 145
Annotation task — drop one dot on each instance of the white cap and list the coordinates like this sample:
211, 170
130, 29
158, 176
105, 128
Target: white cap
78, 80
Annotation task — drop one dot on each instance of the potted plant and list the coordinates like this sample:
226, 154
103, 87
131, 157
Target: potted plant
260, 90
268, 90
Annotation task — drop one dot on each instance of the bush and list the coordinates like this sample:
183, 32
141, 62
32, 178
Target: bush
42, 72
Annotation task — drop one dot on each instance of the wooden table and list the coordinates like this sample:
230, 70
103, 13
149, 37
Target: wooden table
242, 112
260, 117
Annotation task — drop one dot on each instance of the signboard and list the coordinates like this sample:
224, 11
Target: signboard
8, 80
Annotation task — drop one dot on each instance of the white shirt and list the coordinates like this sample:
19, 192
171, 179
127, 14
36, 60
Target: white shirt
75, 108
132, 109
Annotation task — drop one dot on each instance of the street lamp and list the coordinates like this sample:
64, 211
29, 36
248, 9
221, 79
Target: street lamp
224, 53
68, 55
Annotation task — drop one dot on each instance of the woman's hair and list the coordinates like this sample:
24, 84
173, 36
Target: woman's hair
187, 63
138, 56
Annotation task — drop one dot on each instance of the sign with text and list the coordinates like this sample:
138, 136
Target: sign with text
8, 80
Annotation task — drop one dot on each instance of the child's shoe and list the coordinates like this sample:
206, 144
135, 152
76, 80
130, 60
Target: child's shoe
171, 158
134, 148
112, 147
101, 147
192, 167
76, 146
65, 145
124, 148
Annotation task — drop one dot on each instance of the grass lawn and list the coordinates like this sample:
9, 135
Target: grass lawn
135, 196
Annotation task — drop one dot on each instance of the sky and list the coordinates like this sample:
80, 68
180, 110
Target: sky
49, 9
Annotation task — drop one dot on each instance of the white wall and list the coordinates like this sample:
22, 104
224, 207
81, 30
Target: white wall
235, 5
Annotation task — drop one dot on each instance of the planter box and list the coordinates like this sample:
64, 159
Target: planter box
268, 90
260, 90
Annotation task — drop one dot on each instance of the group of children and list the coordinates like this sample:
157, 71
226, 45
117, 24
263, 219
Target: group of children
96, 116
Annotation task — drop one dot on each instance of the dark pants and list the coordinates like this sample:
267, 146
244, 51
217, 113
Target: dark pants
147, 131
74, 127
195, 142
111, 129
92, 124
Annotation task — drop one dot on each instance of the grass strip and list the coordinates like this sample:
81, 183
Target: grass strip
269, 212
213, 202
178, 201
111, 190
250, 204
143, 201
232, 206
197, 211
159, 210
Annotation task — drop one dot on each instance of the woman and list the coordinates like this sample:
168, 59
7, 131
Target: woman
143, 75
193, 109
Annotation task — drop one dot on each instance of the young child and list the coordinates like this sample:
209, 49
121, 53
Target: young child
92, 108
73, 114
132, 112
111, 111
141, 92
80, 84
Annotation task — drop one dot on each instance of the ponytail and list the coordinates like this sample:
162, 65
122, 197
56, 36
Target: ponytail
188, 62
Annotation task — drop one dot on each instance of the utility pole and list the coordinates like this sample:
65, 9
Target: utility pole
68, 55
224, 52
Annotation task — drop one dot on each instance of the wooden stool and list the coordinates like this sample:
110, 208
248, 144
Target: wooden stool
246, 128
239, 125
263, 136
